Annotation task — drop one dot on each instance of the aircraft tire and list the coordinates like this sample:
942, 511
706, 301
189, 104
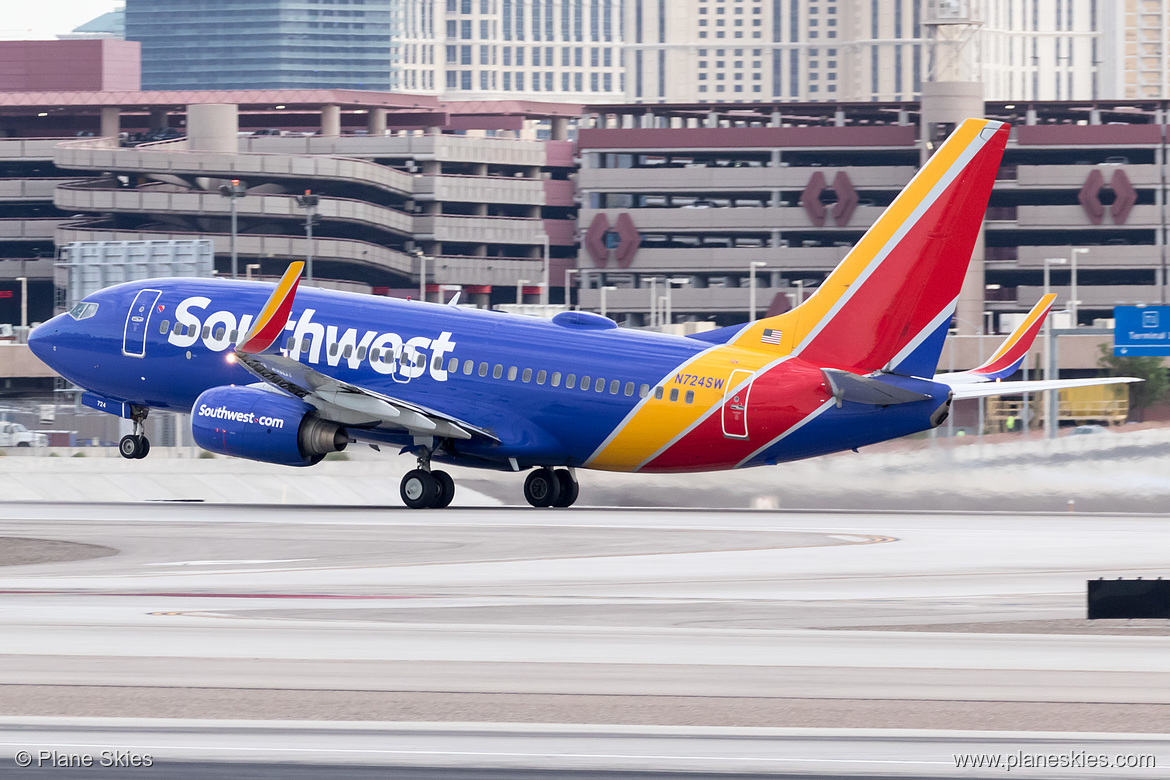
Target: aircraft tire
570, 488
129, 447
418, 489
446, 489
143, 448
542, 488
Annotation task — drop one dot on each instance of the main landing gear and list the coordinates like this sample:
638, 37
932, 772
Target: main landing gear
422, 488
546, 487
135, 446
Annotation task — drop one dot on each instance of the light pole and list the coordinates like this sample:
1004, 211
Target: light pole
569, 286
233, 192
653, 301
544, 286
422, 274
1050, 398
1072, 293
23, 300
248, 270
752, 266
520, 290
309, 202
670, 283
604, 289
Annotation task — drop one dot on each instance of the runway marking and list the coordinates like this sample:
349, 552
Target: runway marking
479, 753
230, 563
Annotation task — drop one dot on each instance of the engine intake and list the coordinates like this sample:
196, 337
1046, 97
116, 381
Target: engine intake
247, 422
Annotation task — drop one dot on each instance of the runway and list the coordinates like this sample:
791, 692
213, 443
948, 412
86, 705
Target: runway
700, 620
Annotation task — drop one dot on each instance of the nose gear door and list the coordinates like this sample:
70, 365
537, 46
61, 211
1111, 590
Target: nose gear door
735, 404
137, 322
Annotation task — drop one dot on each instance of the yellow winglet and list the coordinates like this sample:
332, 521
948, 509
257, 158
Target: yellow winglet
273, 317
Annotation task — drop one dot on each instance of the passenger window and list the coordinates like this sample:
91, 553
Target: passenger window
348, 350
526, 376
219, 333
333, 349
468, 367
304, 345
164, 326
419, 361
613, 387
571, 381
599, 386
512, 374
584, 383
453, 366
437, 363
361, 355
483, 369
658, 393
541, 376
556, 379
673, 394
690, 397
498, 371
289, 343
232, 337
206, 331
629, 388
644, 391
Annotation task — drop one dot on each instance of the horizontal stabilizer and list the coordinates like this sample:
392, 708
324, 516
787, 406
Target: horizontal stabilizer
1010, 355
990, 389
867, 390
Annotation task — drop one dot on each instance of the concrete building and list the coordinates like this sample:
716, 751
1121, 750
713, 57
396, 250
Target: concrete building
505, 49
691, 198
72, 65
262, 44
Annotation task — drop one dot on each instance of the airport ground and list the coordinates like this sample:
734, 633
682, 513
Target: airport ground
499, 641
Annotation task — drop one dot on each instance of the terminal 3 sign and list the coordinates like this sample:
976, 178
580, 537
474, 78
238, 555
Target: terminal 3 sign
1141, 330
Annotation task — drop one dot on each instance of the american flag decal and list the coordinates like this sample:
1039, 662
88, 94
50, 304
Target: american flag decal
771, 336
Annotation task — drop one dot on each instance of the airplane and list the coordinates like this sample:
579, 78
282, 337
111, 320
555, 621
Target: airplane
315, 370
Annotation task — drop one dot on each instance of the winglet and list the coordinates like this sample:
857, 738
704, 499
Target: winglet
1007, 359
273, 317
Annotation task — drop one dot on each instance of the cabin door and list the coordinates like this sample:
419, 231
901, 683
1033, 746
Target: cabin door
735, 404
137, 323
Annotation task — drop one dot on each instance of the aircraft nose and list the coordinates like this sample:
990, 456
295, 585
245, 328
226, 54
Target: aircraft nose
40, 340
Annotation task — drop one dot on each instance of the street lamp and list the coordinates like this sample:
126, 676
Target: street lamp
653, 301
569, 285
604, 289
308, 202
233, 192
752, 266
520, 290
1073, 302
23, 300
1050, 398
670, 283
248, 270
544, 286
422, 274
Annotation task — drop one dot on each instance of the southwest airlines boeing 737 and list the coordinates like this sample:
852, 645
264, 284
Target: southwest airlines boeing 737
288, 377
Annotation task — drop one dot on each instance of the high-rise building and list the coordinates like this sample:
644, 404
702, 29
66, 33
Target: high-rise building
262, 44
559, 50
1140, 49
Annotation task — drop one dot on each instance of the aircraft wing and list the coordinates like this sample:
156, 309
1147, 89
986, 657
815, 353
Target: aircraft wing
1006, 360
339, 401
989, 389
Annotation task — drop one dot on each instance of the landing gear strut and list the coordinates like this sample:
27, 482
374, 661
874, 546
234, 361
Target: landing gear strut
135, 446
422, 488
545, 487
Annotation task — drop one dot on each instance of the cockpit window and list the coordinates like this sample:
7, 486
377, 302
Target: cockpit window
83, 311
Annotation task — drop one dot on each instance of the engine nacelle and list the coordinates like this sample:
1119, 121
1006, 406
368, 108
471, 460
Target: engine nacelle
246, 422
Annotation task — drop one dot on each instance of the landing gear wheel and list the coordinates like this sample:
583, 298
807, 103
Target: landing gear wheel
542, 488
446, 489
131, 447
569, 488
143, 447
418, 489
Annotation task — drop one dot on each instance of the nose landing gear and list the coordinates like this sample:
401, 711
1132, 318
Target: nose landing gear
135, 446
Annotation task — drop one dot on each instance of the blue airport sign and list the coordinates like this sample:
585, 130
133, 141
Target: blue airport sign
1141, 330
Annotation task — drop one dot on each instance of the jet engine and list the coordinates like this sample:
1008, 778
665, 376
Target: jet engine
257, 424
